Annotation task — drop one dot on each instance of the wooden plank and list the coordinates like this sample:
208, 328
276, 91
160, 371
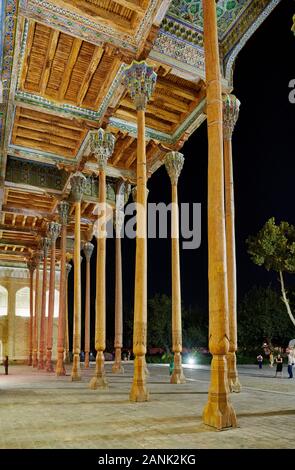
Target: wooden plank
27, 123
131, 158
24, 211
53, 41
59, 149
26, 59
77, 43
46, 138
134, 5
123, 147
97, 55
108, 81
169, 101
177, 90
52, 119
155, 110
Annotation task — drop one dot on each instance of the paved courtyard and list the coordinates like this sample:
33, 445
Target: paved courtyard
39, 410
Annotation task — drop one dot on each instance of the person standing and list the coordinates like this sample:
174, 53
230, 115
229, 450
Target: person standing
260, 360
290, 365
271, 360
279, 363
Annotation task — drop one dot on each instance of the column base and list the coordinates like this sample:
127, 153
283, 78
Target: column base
35, 360
30, 360
86, 363
41, 364
49, 366
99, 381
218, 412
139, 392
233, 378
75, 375
117, 368
60, 368
177, 376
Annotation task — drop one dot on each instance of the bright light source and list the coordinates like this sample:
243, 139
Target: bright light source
191, 360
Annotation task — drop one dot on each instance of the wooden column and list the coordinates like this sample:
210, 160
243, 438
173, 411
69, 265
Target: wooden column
31, 267
174, 163
63, 210
88, 250
66, 338
77, 185
45, 249
231, 106
37, 258
53, 230
218, 412
140, 80
119, 219
102, 146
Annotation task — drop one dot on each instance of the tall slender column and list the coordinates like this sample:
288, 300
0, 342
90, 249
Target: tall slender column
77, 184
45, 248
218, 412
231, 106
140, 80
37, 258
66, 338
88, 250
31, 267
53, 230
63, 210
174, 163
102, 146
119, 219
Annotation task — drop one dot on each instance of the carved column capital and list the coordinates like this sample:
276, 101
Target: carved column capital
140, 80
45, 245
37, 258
53, 231
31, 264
174, 163
102, 145
231, 107
78, 182
63, 212
88, 250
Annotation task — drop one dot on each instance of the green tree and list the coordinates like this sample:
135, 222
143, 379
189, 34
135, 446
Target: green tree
261, 315
274, 248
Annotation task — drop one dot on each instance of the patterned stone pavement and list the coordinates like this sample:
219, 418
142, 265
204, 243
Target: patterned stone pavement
39, 410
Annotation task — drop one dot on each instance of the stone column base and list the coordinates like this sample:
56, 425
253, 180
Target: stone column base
30, 360
75, 375
99, 381
139, 392
218, 412
41, 364
49, 366
233, 378
35, 360
177, 376
117, 366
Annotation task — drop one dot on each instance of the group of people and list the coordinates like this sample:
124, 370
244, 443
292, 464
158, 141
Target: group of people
279, 363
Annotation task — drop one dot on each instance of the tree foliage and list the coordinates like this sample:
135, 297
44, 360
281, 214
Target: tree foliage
261, 316
274, 248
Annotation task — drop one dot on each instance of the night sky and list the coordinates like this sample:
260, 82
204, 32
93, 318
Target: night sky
264, 174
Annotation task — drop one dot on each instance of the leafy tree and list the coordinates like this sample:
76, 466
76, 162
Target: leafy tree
261, 317
274, 248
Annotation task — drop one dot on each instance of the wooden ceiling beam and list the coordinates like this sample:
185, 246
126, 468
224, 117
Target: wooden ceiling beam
134, 5
26, 60
77, 43
131, 158
124, 146
158, 99
31, 124
59, 149
165, 84
24, 211
155, 110
51, 119
108, 81
52, 45
96, 58
46, 138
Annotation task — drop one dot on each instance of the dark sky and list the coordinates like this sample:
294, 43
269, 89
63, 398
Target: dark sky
264, 171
